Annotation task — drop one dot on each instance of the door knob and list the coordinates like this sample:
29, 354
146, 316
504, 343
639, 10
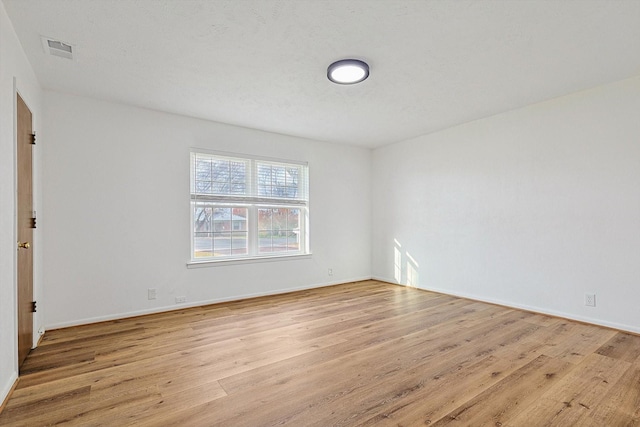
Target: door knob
25, 245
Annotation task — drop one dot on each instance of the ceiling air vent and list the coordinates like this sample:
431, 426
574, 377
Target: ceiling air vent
57, 48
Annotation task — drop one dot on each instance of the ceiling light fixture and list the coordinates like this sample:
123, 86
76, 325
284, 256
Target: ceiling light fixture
348, 71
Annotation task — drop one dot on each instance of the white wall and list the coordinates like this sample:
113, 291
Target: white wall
116, 182
15, 75
532, 208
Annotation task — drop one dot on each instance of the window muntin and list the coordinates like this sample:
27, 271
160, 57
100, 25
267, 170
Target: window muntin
247, 207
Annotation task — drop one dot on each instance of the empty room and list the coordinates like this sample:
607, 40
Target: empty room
319, 212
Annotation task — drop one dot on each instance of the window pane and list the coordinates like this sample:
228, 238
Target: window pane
222, 219
201, 218
221, 244
279, 229
264, 244
239, 243
293, 229
239, 236
202, 176
291, 191
293, 173
265, 229
264, 219
264, 180
279, 220
238, 172
220, 171
293, 219
280, 191
293, 241
238, 188
202, 245
278, 176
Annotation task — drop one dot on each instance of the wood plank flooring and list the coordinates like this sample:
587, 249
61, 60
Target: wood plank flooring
366, 353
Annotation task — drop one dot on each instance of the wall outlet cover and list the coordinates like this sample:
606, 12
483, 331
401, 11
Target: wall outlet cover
590, 300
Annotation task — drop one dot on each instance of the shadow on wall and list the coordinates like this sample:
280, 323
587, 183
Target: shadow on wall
404, 272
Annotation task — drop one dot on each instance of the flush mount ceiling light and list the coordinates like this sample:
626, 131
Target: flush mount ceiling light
348, 71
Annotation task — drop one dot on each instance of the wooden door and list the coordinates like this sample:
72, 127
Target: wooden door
26, 223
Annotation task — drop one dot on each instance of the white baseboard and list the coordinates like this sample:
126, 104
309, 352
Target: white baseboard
534, 309
7, 387
117, 316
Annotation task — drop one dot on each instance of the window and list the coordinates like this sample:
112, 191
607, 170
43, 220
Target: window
245, 207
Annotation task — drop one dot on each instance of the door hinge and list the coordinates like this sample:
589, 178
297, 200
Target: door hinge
33, 139
33, 223
33, 306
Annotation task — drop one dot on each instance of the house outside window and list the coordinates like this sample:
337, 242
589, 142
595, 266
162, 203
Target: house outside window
247, 207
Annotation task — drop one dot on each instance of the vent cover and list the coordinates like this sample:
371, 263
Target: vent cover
57, 47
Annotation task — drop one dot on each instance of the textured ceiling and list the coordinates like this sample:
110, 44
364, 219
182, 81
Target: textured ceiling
262, 63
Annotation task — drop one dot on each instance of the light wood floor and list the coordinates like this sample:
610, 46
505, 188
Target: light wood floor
365, 353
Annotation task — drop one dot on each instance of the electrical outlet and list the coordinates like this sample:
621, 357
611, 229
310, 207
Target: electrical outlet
152, 293
181, 300
590, 300
330, 272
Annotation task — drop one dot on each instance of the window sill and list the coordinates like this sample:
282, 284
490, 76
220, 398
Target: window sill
248, 260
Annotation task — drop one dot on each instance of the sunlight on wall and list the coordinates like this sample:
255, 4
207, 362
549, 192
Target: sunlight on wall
397, 263
411, 270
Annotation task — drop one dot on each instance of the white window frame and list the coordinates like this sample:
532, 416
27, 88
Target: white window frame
252, 201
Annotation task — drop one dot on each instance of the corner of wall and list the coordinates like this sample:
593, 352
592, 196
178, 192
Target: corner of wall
16, 75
